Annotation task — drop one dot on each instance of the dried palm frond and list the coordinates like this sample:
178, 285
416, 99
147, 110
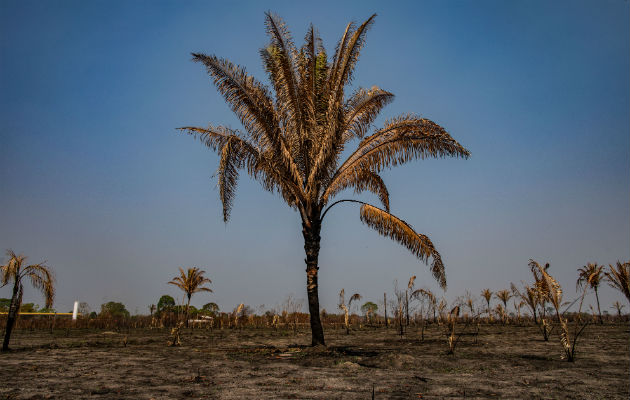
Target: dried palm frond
420, 245
619, 277
411, 282
354, 297
426, 294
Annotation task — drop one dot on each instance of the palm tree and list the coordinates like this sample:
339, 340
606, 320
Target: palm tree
487, 294
528, 297
503, 295
292, 141
591, 275
619, 278
41, 278
190, 282
346, 309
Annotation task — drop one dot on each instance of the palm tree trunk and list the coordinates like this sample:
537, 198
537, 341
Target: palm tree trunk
311, 231
601, 321
16, 299
385, 308
187, 307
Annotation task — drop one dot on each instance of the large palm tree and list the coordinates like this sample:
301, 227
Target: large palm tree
591, 275
191, 281
15, 270
292, 142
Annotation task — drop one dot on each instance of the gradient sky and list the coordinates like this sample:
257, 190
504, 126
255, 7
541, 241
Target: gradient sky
96, 180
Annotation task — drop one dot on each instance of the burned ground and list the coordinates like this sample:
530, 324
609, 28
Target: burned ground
501, 362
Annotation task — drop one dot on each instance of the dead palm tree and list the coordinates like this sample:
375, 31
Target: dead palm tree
619, 278
41, 278
191, 282
528, 297
346, 309
503, 295
487, 294
591, 275
292, 141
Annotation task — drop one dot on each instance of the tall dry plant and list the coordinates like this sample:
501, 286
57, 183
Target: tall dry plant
487, 294
295, 134
554, 296
237, 313
346, 309
448, 317
619, 278
529, 297
425, 295
412, 280
503, 295
190, 282
542, 290
41, 277
591, 275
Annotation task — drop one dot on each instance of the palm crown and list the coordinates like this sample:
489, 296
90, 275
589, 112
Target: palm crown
15, 270
292, 141
191, 281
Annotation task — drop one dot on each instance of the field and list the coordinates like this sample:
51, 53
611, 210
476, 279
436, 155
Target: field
500, 362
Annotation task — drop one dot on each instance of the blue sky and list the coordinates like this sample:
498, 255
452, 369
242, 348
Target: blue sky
97, 181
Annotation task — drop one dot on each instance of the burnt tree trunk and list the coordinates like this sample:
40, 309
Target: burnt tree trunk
187, 308
311, 230
599, 311
385, 308
14, 308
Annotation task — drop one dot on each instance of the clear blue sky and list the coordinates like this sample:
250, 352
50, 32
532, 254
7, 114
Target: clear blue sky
96, 180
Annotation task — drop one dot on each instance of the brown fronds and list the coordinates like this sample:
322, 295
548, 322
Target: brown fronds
590, 274
424, 293
361, 180
40, 275
191, 281
619, 278
420, 245
354, 297
412, 280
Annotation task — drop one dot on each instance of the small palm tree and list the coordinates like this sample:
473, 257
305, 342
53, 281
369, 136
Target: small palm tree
591, 275
618, 306
191, 282
487, 294
295, 135
619, 278
346, 309
504, 295
529, 297
41, 278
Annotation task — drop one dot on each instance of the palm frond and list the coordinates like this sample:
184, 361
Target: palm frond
402, 139
42, 278
362, 109
354, 297
420, 245
425, 293
619, 277
361, 180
